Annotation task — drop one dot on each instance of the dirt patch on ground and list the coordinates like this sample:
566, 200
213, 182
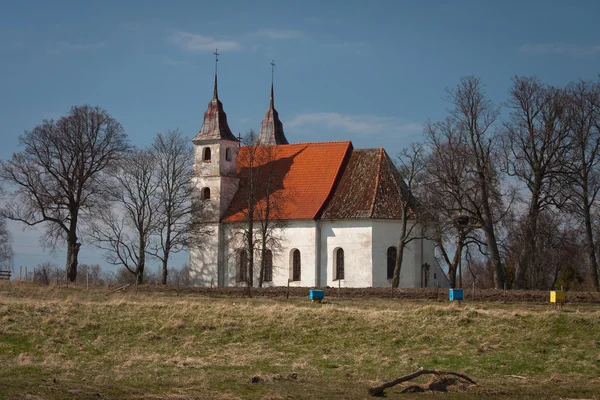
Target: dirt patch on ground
492, 295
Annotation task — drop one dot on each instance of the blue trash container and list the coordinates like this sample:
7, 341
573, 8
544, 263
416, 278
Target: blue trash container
456, 294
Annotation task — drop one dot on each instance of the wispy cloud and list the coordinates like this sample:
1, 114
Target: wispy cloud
561, 49
284, 34
353, 124
197, 43
66, 45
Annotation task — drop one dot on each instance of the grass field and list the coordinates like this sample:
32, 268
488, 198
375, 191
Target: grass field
59, 342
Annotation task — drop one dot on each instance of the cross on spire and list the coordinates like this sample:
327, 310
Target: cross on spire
272, 70
216, 53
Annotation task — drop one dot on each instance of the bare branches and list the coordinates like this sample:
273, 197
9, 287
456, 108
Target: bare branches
174, 159
124, 226
57, 177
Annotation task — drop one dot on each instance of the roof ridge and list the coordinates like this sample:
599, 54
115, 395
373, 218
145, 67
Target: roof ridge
349, 148
331, 142
378, 176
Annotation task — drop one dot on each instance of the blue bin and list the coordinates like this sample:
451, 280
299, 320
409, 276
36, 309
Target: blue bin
456, 294
317, 294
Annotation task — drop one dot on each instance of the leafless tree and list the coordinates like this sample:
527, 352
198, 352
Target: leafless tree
174, 158
447, 185
584, 167
536, 144
259, 184
410, 168
475, 117
269, 210
247, 164
58, 177
123, 228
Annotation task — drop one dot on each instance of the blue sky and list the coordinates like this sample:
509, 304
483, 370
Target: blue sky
368, 71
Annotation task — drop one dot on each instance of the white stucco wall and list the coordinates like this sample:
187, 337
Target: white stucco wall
204, 260
297, 235
365, 243
355, 238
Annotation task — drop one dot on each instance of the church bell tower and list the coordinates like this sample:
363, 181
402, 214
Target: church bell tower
215, 155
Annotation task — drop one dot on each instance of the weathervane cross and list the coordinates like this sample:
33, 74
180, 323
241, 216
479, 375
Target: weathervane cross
272, 70
216, 53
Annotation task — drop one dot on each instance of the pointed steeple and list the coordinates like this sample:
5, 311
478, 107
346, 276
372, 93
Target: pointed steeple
215, 124
271, 128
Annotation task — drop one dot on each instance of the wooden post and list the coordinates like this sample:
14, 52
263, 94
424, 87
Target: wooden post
287, 292
473, 290
178, 285
437, 288
87, 279
56, 276
26, 273
20, 272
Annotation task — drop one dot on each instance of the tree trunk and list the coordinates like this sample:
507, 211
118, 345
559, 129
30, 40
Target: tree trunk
399, 256
528, 256
72, 257
165, 263
141, 261
494, 255
589, 239
261, 274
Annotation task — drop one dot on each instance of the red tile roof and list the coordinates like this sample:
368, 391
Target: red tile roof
304, 176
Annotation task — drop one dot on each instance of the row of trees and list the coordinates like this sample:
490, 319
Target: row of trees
516, 191
80, 177
47, 273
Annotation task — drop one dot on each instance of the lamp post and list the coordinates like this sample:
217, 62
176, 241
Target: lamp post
461, 221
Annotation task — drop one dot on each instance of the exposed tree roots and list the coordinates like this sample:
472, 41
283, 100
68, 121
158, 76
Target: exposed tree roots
445, 379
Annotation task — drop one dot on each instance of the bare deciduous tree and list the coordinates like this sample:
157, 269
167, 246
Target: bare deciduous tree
124, 226
448, 183
58, 175
174, 158
584, 166
475, 117
536, 144
269, 212
410, 168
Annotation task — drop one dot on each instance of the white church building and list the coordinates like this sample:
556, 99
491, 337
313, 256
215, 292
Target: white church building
337, 210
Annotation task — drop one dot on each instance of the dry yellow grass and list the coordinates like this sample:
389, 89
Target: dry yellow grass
66, 342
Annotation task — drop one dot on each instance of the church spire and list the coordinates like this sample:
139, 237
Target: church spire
216, 93
215, 124
271, 128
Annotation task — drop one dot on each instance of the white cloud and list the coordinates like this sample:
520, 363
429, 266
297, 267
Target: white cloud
284, 34
197, 43
353, 124
563, 49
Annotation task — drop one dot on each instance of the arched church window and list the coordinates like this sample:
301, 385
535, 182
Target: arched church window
268, 266
206, 154
339, 264
206, 193
228, 154
296, 265
391, 261
242, 267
